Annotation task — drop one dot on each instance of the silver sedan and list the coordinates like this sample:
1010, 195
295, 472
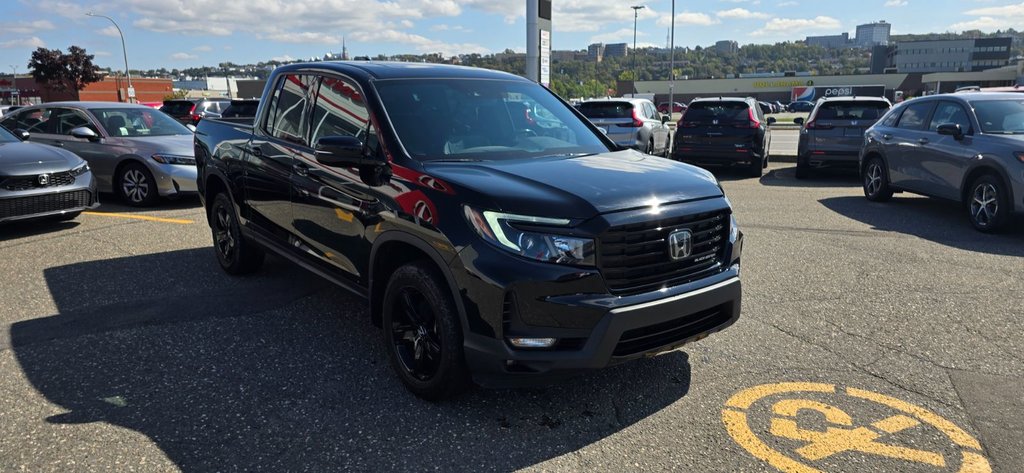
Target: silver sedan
135, 151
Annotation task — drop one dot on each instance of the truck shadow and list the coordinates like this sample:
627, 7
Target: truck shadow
935, 220
280, 371
28, 228
786, 177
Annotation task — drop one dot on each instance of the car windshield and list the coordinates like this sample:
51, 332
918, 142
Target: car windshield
1000, 116
475, 119
852, 110
6, 136
138, 122
725, 111
607, 109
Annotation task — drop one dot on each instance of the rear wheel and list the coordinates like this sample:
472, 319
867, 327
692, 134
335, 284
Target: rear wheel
235, 253
756, 167
876, 181
422, 333
988, 204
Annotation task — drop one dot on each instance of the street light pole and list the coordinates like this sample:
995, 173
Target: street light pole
124, 49
14, 85
672, 63
636, 9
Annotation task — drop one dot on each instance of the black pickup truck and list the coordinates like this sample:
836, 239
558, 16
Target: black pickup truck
491, 246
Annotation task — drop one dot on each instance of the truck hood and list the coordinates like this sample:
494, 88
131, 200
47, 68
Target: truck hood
27, 158
581, 186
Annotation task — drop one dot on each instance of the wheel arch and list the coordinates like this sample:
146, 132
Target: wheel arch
393, 249
985, 166
121, 163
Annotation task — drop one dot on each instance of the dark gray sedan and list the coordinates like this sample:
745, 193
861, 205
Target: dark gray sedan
965, 147
39, 181
137, 152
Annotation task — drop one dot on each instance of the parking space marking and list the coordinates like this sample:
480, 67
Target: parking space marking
179, 221
842, 433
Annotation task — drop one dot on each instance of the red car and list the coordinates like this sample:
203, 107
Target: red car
676, 107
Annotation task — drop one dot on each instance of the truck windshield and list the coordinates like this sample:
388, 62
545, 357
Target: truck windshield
478, 119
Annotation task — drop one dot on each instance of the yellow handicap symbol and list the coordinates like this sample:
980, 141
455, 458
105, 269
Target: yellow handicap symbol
841, 435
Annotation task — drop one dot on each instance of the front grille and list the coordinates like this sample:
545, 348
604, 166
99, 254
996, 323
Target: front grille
23, 183
37, 204
634, 258
651, 337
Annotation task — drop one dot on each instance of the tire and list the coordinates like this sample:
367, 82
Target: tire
876, 181
756, 168
988, 204
236, 254
668, 148
650, 147
422, 333
136, 186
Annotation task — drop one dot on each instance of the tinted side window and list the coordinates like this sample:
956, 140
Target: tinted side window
890, 119
950, 112
339, 110
67, 119
34, 121
287, 119
915, 115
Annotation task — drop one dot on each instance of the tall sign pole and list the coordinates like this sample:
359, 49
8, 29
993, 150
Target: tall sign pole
538, 41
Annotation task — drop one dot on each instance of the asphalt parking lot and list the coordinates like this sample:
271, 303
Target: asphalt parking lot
874, 337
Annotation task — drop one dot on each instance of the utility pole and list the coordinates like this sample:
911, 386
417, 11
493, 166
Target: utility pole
672, 63
636, 9
124, 49
14, 86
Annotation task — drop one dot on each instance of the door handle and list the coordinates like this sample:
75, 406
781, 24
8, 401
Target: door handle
300, 169
923, 141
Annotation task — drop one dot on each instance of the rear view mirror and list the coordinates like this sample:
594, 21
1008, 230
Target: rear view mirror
664, 119
951, 129
22, 134
85, 133
342, 151
798, 121
771, 120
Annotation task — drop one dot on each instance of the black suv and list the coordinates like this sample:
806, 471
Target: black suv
190, 111
486, 246
724, 131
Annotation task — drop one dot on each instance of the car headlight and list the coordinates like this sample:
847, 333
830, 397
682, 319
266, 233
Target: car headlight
174, 159
499, 229
80, 169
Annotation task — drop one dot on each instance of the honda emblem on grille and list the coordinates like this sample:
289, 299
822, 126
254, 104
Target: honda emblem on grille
44, 179
680, 244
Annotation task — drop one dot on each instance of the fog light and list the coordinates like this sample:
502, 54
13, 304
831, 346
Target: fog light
533, 342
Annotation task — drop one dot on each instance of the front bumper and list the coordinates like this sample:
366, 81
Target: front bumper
717, 158
49, 201
174, 179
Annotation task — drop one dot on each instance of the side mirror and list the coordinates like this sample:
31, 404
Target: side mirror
191, 127
951, 129
342, 151
798, 121
664, 119
85, 133
771, 120
22, 134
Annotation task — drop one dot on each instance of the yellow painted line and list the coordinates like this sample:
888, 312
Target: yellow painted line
956, 434
179, 221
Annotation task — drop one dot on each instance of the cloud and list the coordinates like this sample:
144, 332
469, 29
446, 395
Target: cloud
788, 4
204, 48
741, 14
594, 15
109, 31
796, 25
992, 18
459, 28
100, 53
304, 37
896, 3
689, 18
624, 35
183, 56
285, 58
26, 27
23, 43
420, 43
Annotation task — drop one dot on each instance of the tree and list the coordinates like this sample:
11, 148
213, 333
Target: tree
61, 72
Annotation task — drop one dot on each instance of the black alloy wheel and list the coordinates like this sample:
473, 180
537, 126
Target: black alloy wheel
876, 181
235, 254
987, 204
422, 333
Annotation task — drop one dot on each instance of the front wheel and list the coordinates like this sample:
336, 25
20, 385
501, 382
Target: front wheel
422, 333
987, 204
136, 185
236, 254
876, 181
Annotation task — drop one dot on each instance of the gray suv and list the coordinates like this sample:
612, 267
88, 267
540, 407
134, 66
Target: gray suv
834, 132
966, 147
631, 123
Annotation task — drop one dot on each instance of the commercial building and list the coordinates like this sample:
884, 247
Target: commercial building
835, 41
595, 52
727, 47
873, 34
616, 50
109, 89
963, 55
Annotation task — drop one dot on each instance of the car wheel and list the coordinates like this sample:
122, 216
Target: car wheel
668, 148
876, 181
650, 147
803, 171
987, 204
236, 254
756, 168
422, 333
136, 185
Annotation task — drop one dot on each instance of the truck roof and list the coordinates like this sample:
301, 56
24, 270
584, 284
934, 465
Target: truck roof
402, 70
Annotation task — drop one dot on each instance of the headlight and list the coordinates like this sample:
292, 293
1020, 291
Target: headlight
80, 169
499, 229
174, 159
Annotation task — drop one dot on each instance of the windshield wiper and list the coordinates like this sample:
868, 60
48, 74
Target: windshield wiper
567, 155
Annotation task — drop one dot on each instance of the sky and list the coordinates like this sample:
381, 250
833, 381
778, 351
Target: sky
187, 33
